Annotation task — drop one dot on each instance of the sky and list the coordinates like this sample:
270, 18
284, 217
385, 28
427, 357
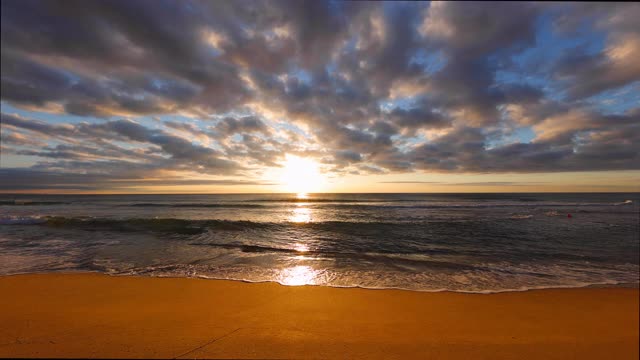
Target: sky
142, 96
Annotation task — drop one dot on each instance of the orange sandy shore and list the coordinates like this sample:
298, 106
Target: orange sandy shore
91, 315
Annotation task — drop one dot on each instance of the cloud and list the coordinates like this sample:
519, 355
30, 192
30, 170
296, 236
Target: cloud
248, 124
348, 156
478, 183
421, 116
409, 182
585, 73
589, 74
182, 153
567, 146
12, 179
478, 28
366, 88
496, 183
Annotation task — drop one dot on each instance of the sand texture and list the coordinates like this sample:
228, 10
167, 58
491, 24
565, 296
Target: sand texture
91, 315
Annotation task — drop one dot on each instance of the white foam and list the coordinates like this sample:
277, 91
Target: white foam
576, 285
521, 216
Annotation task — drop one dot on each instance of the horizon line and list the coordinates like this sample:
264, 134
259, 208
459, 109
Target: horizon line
309, 193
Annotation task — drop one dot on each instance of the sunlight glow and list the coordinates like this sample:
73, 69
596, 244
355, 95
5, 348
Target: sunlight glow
301, 175
298, 275
301, 247
301, 215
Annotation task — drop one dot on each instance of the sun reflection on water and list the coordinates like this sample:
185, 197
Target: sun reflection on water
300, 247
301, 214
299, 275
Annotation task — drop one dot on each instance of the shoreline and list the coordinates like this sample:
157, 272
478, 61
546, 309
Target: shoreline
98, 315
602, 285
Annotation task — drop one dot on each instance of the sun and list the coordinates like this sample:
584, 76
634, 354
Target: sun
301, 175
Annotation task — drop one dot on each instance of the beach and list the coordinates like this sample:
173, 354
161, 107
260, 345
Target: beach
319, 180
100, 316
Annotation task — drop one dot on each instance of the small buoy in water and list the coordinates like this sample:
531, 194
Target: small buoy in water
569, 216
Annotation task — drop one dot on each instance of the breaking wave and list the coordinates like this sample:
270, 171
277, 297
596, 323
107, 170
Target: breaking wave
196, 205
166, 225
22, 220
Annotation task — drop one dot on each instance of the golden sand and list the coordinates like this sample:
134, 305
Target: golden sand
90, 315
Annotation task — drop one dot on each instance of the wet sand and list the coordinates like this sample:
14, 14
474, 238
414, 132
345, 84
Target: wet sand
91, 315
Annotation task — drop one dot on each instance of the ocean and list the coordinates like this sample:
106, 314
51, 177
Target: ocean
428, 242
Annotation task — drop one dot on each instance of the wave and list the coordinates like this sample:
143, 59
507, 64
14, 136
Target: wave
377, 202
22, 220
190, 226
166, 225
186, 271
197, 205
336, 203
494, 290
254, 248
329, 200
388, 205
383, 281
193, 227
520, 217
423, 257
487, 206
184, 226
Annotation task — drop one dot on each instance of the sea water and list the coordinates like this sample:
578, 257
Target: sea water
428, 242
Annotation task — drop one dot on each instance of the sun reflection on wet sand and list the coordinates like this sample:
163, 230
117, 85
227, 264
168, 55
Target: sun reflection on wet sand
298, 275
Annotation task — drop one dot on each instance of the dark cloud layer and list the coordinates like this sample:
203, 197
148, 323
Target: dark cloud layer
361, 87
31, 179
